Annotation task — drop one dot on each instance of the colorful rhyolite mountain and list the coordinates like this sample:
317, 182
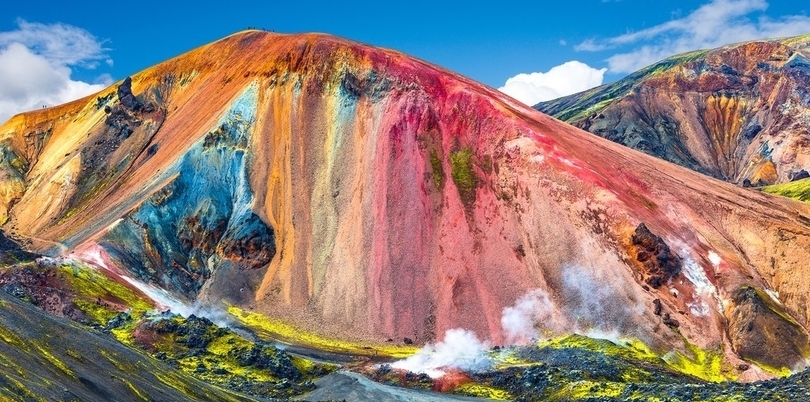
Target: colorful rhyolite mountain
361, 194
739, 113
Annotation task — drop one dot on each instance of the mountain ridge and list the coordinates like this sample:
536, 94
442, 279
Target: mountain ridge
365, 194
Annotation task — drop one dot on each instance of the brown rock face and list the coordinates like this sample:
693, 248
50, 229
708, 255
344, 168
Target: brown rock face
736, 113
761, 331
659, 262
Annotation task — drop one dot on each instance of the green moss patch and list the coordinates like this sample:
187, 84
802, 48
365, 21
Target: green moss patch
219, 356
463, 174
437, 171
797, 190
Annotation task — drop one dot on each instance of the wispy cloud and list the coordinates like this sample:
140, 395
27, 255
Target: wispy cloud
714, 24
565, 79
36, 61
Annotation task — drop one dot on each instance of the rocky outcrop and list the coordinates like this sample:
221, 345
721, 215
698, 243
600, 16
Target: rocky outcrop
762, 332
201, 221
659, 262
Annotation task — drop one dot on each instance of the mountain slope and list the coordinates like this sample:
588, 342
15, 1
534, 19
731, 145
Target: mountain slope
362, 194
46, 358
738, 113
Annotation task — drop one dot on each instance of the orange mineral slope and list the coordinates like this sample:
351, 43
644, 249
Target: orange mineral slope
360, 193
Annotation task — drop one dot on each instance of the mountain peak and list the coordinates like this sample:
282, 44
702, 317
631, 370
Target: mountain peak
359, 193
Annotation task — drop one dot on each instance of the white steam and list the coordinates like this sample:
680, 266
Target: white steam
94, 256
164, 300
460, 350
596, 307
589, 306
519, 322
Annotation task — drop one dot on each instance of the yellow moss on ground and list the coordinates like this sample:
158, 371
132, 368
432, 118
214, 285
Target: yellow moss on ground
483, 391
75, 355
628, 348
286, 333
12, 339
508, 357
124, 333
797, 190
17, 391
44, 352
706, 365
88, 282
98, 313
777, 371
305, 366
589, 389
114, 360
133, 389
222, 345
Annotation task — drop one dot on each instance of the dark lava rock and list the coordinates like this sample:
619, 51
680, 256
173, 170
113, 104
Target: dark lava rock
250, 242
198, 331
659, 262
16, 290
752, 131
801, 174
42, 288
193, 332
119, 320
268, 357
11, 252
127, 98
670, 322
163, 326
658, 307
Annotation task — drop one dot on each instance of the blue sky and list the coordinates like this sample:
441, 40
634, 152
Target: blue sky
90, 44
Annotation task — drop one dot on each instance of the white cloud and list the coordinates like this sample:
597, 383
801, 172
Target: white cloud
35, 66
568, 78
717, 23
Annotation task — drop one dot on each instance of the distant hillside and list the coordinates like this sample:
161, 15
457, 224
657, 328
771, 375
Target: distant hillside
740, 113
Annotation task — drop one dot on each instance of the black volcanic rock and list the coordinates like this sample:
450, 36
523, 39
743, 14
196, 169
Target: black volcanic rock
127, 98
11, 252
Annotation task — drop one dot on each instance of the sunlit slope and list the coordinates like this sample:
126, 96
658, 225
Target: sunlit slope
362, 194
738, 113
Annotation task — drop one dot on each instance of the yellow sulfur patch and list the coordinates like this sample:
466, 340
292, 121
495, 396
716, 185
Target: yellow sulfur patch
284, 332
706, 365
483, 391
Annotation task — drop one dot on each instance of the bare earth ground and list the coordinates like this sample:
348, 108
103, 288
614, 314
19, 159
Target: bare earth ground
345, 385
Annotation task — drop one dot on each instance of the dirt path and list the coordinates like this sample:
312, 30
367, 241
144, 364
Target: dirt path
345, 385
